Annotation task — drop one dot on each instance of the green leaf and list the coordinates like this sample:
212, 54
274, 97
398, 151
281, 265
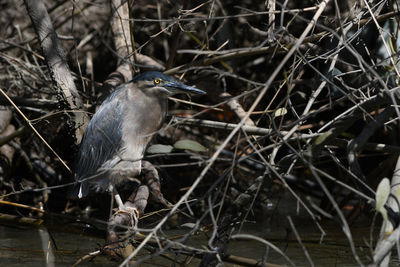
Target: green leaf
190, 145
280, 112
382, 194
320, 139
188, 225
159, 149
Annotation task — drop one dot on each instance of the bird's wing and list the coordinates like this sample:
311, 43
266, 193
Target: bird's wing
101, 141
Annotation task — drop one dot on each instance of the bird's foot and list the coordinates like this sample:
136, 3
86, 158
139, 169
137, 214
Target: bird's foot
132, 212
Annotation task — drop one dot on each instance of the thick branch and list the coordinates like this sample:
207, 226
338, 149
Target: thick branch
389, 236
124, 49
57, 64
237, 108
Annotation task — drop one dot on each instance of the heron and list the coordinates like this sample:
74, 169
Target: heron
116, 138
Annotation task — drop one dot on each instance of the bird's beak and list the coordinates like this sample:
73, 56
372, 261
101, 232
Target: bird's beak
176, 87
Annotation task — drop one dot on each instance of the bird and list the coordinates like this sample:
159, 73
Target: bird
116, 138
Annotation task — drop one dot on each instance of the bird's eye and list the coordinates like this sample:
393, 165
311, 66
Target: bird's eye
157, 81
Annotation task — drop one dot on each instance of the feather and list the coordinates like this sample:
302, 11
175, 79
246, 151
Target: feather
101, 143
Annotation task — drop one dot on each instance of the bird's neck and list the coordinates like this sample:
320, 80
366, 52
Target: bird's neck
145, 113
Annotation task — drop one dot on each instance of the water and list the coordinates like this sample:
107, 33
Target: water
29, 246
22, 246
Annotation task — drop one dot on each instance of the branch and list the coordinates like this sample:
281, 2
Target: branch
253, 130
357, 143
123, 41
236, 107
348, 118
57, 64
389, 237
266, 50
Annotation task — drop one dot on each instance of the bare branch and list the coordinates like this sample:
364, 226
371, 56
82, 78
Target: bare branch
57, 64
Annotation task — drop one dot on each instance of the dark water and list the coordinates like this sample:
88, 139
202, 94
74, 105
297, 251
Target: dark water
34, 247
37, 247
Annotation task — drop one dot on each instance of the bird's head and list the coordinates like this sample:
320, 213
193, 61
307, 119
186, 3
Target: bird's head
163, 85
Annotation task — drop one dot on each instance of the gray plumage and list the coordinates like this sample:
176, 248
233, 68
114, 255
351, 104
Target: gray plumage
119, 132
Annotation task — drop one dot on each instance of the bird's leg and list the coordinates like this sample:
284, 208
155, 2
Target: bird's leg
128, 208
151, 178
117, 198
121, 221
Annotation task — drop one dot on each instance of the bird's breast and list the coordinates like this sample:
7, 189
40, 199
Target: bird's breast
143, 117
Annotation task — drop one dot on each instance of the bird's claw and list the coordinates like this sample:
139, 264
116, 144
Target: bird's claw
132, 212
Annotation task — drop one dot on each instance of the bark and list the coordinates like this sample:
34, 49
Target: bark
67, 92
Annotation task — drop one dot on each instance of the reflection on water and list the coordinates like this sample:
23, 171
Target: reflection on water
20, 247
36, 247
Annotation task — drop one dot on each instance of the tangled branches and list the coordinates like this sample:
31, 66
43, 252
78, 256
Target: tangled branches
301, 109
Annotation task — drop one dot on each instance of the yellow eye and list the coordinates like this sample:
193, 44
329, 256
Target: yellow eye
157, 81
